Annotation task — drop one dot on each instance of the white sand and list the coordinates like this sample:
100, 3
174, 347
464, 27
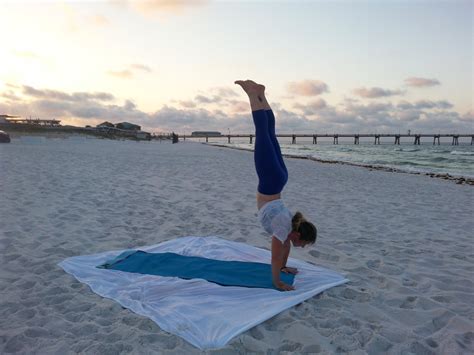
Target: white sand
404, 241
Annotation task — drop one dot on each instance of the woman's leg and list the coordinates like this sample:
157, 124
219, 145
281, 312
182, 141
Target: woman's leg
258, 101
271, 174
271, 131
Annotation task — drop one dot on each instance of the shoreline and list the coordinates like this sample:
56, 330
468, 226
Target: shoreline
460, 180
67, 133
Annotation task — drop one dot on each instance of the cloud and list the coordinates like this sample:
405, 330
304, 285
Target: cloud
425, 104
236, 106
130, 71
13, 86
181, 120
408, 115
59, 95
187, 104
10, 95
307, 87
208, 100
468, 117
153, 7
375, 92
123, 74
421, 82
224, 92
203, 99
91, 108
311, 107
368, 110
141, 67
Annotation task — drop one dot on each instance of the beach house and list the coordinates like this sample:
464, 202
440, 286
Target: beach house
5, 118
106, 124
128, 126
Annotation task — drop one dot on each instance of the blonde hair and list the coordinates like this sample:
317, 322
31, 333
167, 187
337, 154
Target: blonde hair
307, 230
296, 221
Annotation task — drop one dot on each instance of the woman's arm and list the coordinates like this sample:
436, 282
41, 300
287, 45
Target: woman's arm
280, 253
286, 252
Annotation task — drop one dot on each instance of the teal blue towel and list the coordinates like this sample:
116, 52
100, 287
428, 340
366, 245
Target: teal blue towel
225, 273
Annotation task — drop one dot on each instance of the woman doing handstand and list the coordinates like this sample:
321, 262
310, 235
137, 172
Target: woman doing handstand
276, 219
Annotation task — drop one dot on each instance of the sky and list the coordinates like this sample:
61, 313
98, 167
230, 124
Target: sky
339, 66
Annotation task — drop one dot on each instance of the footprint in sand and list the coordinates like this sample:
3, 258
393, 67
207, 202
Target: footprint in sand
409, 302
409, 282
312, 349
351, 294
442, 299
374, 264
324, 256
290, 347
418, 348
466, 339
257, 334
435, 325
432, 343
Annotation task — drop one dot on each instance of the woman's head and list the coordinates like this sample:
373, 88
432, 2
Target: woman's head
306, 230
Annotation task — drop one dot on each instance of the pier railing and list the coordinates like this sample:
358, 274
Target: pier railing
416, 137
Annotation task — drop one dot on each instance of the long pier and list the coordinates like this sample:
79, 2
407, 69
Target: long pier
416, 137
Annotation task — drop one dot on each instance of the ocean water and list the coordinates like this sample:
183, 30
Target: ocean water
424, 158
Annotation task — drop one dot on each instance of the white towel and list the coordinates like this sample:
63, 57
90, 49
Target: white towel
203, 313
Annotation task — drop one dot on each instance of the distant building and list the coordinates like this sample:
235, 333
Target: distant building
143, 135
29, 121
206, 133
106, 124
4, 118
128, 126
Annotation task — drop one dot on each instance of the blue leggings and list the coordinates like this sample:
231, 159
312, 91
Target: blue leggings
271, 170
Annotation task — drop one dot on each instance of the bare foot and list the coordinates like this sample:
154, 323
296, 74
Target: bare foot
251, 87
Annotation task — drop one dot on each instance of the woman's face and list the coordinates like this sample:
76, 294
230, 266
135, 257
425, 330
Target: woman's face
297, 242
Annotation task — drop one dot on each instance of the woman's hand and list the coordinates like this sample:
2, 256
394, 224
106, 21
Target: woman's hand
289, 270
283, 286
